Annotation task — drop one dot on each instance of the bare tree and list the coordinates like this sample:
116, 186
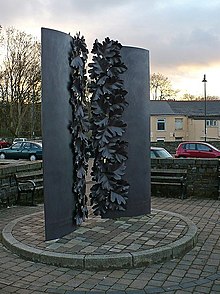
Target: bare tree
190, 97
161, 87
1, 37
19, 78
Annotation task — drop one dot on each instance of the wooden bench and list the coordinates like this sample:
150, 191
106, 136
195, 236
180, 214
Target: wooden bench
170, 177
29, 183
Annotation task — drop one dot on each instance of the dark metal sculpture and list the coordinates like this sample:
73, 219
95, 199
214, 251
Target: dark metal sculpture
79, 126
107, 104
56, 115
137, 117
120, 129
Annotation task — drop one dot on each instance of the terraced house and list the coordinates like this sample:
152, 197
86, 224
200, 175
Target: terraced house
185, 120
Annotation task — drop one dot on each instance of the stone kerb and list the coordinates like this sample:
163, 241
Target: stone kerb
127, 259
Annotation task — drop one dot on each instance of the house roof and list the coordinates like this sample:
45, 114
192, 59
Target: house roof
195, 109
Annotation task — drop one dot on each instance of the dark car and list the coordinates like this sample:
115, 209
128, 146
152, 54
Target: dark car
197, 149
22, 150
4, 143
159, 152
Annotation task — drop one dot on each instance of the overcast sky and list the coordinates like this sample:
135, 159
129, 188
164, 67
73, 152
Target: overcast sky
183, 36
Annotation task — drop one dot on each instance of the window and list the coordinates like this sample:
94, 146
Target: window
211, 123
16, 145
26, 145
178, 138
35, 146
178, 123
202, 147
160, 139
161, 124
190, 146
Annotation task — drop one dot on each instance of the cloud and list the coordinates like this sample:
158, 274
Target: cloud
178, 33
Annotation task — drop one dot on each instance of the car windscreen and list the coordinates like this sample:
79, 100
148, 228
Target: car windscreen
16, 145
213, 147
164, 153
36, 146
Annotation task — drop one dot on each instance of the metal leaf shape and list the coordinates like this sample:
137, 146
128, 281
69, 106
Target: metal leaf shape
77, 62
79, 126
102, 123
117, 197
115, 131
107, 105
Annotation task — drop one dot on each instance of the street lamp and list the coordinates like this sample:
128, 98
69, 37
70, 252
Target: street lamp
205, 81
33, 112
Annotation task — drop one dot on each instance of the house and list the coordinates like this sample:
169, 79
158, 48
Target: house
185, 120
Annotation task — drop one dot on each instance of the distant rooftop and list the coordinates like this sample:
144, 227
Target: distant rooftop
195, 109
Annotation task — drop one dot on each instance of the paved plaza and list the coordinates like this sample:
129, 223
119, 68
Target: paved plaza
197, 271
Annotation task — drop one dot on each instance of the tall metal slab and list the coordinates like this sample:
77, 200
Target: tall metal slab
56, 115
137, 117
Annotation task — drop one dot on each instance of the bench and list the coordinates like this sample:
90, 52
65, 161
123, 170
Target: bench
170, 177
29, 183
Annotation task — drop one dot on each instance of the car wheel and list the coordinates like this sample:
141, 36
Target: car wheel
2, 156
33, 157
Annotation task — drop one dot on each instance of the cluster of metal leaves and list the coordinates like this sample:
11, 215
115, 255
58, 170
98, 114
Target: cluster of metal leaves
79, 126
107, 106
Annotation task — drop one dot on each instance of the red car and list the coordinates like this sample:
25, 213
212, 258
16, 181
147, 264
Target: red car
197, 149
4, 144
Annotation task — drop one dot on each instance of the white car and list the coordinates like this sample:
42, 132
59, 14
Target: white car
19, 140
158, 152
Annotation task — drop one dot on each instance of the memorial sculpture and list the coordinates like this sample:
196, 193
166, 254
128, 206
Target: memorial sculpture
119, 87
107, 105
79, 125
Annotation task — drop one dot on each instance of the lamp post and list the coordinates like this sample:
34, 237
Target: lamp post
205, 81
33, 113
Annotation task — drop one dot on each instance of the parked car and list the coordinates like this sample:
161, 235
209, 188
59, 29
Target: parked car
159, 152
4, 143
197, 149
22, 150
19, 140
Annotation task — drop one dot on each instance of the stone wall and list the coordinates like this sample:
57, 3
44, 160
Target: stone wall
8, 168
202, 175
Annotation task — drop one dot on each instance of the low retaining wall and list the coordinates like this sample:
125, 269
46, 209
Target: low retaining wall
202, 175
8, 168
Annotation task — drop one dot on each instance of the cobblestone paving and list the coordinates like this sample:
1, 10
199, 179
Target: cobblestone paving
197, 272
105, 236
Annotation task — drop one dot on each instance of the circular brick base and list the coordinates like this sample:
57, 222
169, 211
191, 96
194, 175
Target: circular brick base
104, 243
